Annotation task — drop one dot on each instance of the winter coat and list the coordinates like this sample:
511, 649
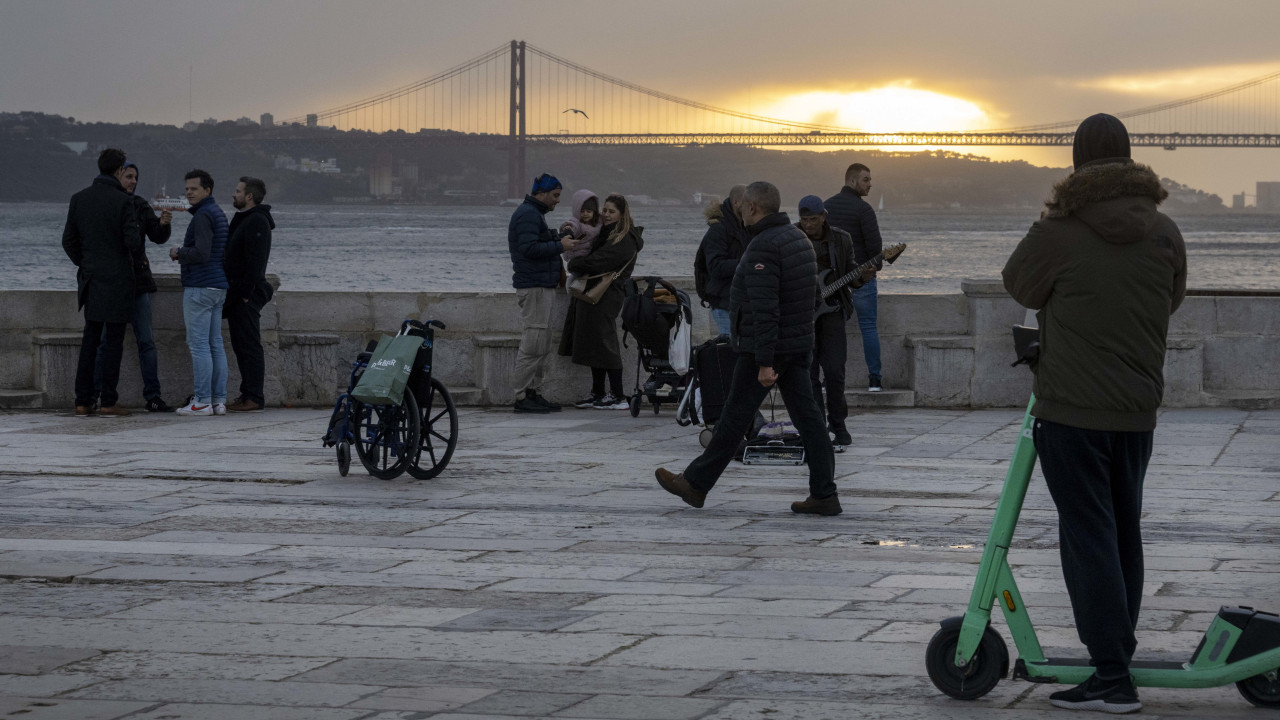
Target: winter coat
248, 248
590, 334
535, 251
100, 234
1104, 269
849, 212
204, 247
839, 248
151, 228
722, 245
576, 228
775, 291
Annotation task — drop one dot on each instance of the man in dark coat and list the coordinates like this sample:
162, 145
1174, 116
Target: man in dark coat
245, 264
157, 230
834, 251
721, 247
100, 233
535, 262
773, 298
848, 211
1104, 269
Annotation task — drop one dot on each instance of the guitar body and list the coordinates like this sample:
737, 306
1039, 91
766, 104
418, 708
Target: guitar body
831, 300
830, 285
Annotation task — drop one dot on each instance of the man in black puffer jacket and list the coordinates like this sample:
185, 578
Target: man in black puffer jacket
771, 310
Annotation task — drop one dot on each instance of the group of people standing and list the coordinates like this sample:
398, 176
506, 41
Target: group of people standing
223, 269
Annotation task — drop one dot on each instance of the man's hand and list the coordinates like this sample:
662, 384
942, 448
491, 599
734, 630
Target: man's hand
166, 216
567, 243
173, 253
868, 275
767, 376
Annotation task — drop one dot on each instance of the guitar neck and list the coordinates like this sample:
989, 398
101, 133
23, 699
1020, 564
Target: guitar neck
849, 277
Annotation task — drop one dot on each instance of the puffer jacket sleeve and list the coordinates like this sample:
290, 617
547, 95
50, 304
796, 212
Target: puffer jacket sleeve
532, 241
763, 286
1032, 269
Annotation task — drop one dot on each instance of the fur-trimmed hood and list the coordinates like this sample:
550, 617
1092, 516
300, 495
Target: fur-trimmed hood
1116, 198
712, 213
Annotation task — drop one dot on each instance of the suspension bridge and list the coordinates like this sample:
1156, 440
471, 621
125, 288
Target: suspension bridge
517, 95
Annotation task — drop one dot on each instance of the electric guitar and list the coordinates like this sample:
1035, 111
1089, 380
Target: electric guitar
830, 301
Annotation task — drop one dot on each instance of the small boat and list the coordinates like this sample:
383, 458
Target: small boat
162, 201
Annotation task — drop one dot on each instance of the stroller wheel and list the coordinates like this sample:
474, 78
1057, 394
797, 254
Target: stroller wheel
704, 437
655, 408
344, 458
635, 405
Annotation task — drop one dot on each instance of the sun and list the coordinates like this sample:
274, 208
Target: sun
892, 108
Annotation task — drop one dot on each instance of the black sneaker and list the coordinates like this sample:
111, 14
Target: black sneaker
527, 405
157, 405
534, 396
874, 383
842, 436
588, 401
1117, 696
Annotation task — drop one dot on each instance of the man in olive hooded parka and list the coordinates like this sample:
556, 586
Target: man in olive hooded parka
1104, 269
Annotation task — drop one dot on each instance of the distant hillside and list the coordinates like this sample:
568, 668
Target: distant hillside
44, 148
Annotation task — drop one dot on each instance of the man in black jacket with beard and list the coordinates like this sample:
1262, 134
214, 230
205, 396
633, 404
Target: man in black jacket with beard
245, 263
771, 310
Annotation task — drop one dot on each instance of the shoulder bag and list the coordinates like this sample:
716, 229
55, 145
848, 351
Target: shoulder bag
578, 284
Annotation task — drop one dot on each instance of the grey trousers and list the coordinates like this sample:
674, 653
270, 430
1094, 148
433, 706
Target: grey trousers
535, 338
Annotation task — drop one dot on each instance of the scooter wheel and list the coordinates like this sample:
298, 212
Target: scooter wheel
344, 458
635, 406
1262, 690
990, 663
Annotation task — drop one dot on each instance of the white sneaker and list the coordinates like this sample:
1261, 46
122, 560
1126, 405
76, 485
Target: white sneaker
194, 409
219, 408
609, 402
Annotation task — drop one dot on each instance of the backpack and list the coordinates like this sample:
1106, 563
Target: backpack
700, 276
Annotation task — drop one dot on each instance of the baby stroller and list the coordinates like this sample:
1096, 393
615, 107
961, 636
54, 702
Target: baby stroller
659, 317
417, 435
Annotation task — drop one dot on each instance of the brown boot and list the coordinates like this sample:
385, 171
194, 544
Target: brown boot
85, 410
244, 405
811, 506
114, 411
675, 484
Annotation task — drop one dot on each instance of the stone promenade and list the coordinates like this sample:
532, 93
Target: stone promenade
219, 568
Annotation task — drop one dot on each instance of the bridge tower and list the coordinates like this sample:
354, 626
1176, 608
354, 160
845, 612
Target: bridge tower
515, 141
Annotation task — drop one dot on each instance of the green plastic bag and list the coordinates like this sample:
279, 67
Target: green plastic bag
384, 380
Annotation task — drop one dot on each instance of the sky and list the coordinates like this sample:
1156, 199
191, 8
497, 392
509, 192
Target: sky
980, 64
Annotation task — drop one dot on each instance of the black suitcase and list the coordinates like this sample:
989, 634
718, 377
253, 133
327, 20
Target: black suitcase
714, 361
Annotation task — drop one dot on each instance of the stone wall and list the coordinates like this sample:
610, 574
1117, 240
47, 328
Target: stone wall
939, 350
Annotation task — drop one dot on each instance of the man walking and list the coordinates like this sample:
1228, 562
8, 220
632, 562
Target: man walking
535, 260
248, 249
1105, 270
833, 249
721, 247
848, 211
100, 234
157, 230
772, 305
204, 290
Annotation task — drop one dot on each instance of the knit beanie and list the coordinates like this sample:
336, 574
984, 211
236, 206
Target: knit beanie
1100, 137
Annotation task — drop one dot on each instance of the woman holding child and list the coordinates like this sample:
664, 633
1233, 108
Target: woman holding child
590, 333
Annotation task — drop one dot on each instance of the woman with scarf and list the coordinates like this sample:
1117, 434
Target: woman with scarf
590, 333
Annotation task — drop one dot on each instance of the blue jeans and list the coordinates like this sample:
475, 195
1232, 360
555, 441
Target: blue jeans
721, 318
864, 306
202, 313
148, 358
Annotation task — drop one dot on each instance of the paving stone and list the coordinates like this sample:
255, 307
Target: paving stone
400, 616
230, 611
517, 620
45, 686
190, 711
741, 626
247, 692
423, 699
517, 702
176, 573
30, 708
35, 660
194, 666
426, 597
631, 707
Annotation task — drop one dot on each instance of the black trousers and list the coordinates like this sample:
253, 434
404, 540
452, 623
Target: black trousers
244, 324
1095, 478
745, 395
111, 337
830, 351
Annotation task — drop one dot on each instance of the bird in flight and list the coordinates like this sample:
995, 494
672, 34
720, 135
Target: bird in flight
576, 110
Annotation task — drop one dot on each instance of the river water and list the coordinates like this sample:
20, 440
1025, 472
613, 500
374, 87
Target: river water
379, 248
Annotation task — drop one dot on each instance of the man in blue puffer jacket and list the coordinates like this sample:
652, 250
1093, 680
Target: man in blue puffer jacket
535, 261
204, 290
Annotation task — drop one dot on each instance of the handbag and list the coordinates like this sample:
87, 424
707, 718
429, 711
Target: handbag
578, 284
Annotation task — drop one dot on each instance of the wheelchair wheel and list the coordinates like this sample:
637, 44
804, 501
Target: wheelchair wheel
386, 436
344, 458
438, 430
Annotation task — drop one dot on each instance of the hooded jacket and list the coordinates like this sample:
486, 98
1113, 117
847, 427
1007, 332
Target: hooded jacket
1104, 269
100, 235
775, 289
722, 246
248, 249
584, 233
535, 251
152, 229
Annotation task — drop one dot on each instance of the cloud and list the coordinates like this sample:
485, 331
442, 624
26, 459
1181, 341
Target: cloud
1179, 83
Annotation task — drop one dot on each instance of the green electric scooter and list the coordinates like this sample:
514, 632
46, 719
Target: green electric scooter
967, 658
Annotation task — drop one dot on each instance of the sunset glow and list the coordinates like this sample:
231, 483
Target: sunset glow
891, 108
1186, 81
